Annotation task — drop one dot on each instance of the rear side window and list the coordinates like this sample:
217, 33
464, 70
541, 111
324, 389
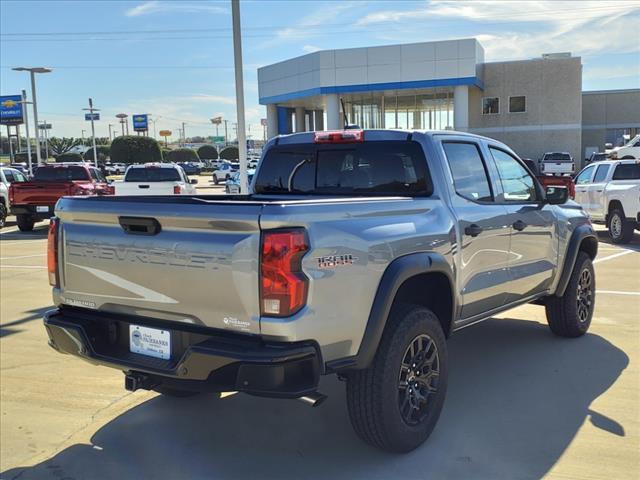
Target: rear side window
152, 174
627, 171
382, 168
601, 173
61, 174
469, 172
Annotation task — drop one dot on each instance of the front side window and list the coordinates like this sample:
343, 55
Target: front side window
584, 176
469, 172
517, 184
490, 105
601, 173
518, 104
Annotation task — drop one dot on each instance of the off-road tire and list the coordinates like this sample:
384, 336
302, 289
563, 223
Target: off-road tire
563, 314
624, 231
3, 214
25, 222
373, 394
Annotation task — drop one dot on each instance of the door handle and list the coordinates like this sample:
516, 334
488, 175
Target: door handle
143, 186
598, 191
473, 230
519, 225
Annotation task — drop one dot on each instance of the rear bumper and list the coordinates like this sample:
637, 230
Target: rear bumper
32, 210
201, 359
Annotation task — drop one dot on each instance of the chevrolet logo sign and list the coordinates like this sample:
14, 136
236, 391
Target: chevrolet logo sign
9, 103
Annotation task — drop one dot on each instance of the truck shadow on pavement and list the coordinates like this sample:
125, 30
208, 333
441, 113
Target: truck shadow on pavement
605, 238
8, 328
517, 396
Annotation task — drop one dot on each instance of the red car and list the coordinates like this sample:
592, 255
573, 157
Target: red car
35, 200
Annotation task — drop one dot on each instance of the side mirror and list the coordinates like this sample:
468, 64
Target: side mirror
193, 181
556, 195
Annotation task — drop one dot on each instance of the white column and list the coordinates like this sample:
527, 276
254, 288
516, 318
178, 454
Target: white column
300, 127
461, 108
332, 106
272, 120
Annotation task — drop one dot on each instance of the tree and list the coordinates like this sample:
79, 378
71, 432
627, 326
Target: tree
103, 153
69, 157
58, 146
230, 153
208, 152
182, 155
133, 149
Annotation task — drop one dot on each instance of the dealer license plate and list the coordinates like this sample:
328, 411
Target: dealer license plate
152, 342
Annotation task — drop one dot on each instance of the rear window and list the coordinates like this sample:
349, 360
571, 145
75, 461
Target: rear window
627, 171
557, 157
380, 168
152, 174
60, 174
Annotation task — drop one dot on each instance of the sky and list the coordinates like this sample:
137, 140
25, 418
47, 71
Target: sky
174, 59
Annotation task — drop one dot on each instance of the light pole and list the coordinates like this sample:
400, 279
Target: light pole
237, 61
184, 136
44, 126
83, 137
110, 125
26, 126
154, 123
32, 71
123, 119
93, 130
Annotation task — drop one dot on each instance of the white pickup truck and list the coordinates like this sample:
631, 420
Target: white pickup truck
557, 163
155, 179
609, 192
630, 150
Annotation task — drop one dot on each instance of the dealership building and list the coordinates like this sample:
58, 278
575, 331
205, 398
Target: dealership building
535, 105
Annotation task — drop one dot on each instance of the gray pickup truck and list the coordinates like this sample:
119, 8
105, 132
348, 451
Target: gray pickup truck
358, 253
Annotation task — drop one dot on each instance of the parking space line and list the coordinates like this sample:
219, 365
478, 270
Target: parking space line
615, 255
23, 266
616, 292
23, 256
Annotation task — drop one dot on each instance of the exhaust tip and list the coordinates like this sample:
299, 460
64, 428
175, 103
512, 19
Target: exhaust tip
313, 399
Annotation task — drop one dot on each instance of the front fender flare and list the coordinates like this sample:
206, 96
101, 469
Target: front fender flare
581, 233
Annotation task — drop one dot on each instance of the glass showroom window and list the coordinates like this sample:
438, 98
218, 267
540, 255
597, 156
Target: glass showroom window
490, 105
517, 104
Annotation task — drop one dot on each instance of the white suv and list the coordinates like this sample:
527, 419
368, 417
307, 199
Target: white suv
7, 177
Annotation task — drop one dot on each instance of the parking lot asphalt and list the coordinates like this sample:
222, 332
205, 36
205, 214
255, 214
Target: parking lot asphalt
521, 402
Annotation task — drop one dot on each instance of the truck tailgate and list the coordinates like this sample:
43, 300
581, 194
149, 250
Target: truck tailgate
39, 193
201, 267
145, 188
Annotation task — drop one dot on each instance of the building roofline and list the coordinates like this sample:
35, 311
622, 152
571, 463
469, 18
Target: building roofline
619, 90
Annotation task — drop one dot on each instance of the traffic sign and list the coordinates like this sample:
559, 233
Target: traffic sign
91, 116
45, 126
165, 133
140, 123
217, 139
216, 120
11, 110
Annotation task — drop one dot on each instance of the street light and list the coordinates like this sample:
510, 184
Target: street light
110, 125
92, 111
123, 119
32, 71
83, 137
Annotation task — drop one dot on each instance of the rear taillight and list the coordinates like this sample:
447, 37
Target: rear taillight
11, 195
177, 190
340, 136
52, 252
283, 284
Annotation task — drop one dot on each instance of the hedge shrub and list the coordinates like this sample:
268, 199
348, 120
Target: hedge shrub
69, 157
230, 153
208, 152
103, 153
133, 149
182, 155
